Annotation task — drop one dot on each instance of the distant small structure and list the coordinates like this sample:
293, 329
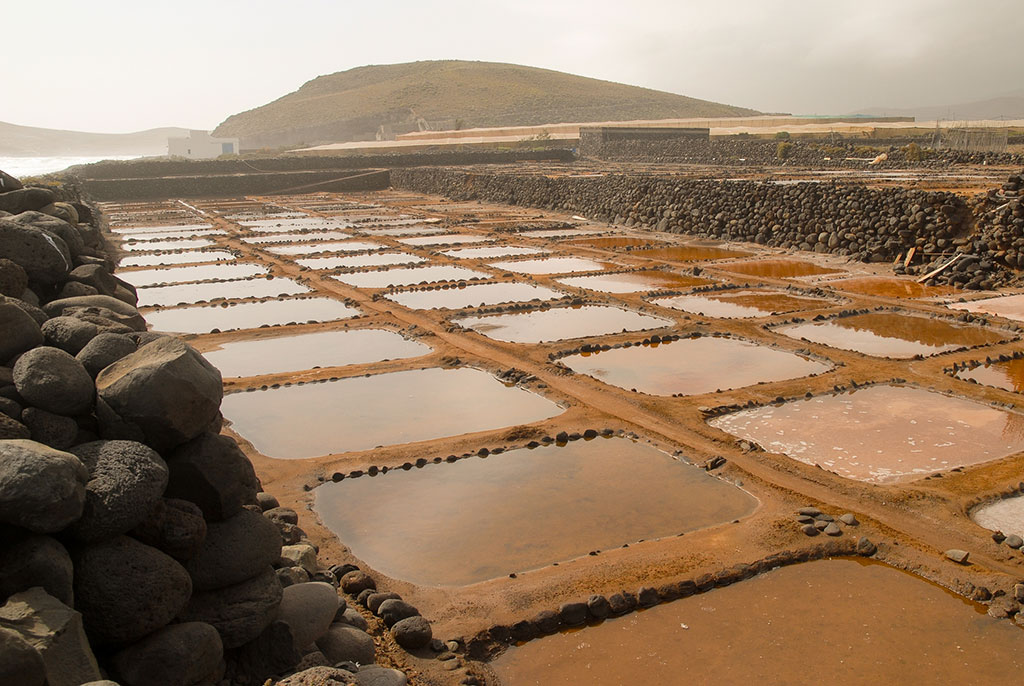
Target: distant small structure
200, 145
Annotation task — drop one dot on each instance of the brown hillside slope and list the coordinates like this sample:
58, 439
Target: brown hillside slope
353, 104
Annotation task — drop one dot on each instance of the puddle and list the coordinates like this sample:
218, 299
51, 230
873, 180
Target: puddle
313, 248
776, 269
692, 366
249, 315
381, 259
477, 519
403, 230
473, 296
297, 237
688, 253
889, 287
410, 276
882, 434
311, 350
230, 290
561, 323
742, 304
169, 235
893, 334
830, 621
1006, 515
190, 257
554, 265
203, 272
614, 242
635, 282
1009, 306
153, 246
1006, 375
497, 251
447, 239
384, 409
558, 233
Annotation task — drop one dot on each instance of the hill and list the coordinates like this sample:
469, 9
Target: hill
355, 104
29, 141
1009, 106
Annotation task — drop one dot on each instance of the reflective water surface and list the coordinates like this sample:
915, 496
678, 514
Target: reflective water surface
248, 315
473, 296
741, 304
560, 323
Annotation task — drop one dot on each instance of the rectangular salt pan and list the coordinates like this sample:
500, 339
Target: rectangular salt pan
189, 257
212, 290
473, 296
202, 272
561, 323
248, 315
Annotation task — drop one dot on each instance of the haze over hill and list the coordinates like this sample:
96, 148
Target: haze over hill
30, 141
354, 104
1009, 106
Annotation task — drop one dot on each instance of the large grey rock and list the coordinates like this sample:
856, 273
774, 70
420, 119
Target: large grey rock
56, 227
11, 428
73, 289
125, 313
28, 302
107, 320
234, 550
57, 431
126, 589
20, 663
342, 643
104, 350
13, 279
165, 390
375, 675
177, 655
211, 471
70, 334
239, 612
51, 379
55, 630
94, 275
41, 489
309, 610
299, 555
44, 257
272, 652
412, 633
174, 526
126, 479
18, 331
37, 561
393, 611
319, 676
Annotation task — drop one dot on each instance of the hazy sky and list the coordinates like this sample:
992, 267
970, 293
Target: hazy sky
117, 66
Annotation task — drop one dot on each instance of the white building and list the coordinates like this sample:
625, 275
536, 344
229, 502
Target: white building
200, 145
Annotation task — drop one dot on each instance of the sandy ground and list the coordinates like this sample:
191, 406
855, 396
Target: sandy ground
913, 523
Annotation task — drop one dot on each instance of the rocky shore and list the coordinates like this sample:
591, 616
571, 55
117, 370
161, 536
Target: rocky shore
136, 544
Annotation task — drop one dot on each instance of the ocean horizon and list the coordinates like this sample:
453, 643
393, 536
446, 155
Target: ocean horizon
34, 166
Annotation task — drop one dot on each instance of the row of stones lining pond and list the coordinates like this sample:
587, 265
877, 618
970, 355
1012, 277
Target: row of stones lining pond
443, 466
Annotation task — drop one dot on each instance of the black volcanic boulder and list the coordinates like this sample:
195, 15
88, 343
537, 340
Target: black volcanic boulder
70, 334
412, 633
55, 226
55, 430
41, 489
165, 392
18, 331
9, 183
177, 655
174, 526
126, 589
235, 550
108, 307
53, 380
25, 199
13, 279
104, 350
37, 561
240, 612
212, 472
44, 257
94, 275
126, 479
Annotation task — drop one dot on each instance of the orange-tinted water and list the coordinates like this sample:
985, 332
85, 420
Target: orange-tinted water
741, 304
561, 323
1005, 375
776, 269
635, 282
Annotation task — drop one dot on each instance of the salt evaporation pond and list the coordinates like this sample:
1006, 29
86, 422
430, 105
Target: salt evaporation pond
561, 323
212, 290
410, 276
380, 259
1006, 375
1009, 306
831, 621
741, 304
202, 272
688, 253
496, 251
445, 239
1006, 515
634, 282
893, 334
477, 519
553, 265
248, 315
189, 257
473, 295
777, 269
881, 434
314, 248
311, 350
384, 409
153, 246
692, 366
297, 237
889, 287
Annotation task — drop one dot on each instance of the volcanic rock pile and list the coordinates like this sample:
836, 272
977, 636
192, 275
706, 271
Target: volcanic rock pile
135, 541
866, 224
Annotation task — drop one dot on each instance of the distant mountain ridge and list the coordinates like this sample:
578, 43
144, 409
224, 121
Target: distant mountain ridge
30, 141
356, 104
1009, 106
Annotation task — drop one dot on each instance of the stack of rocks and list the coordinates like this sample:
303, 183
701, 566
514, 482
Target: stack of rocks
133, 538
